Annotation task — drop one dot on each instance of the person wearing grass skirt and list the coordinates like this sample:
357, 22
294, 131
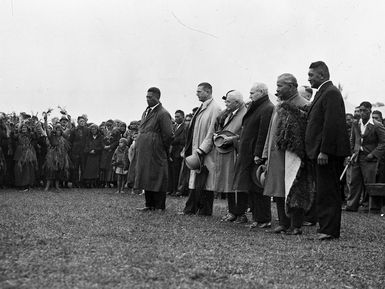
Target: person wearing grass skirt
24, 158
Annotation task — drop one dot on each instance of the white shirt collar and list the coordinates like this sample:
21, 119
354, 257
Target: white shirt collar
152, 107
369, 121
323, 84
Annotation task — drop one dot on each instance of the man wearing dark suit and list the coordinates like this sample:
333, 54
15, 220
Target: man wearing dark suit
368, 144
327, 144
175, 159
255, 125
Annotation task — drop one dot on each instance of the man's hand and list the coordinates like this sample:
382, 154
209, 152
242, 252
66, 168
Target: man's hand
369, 158
322, 159
258, 161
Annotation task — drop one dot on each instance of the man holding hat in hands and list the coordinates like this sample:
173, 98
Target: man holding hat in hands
228, 129
199, 144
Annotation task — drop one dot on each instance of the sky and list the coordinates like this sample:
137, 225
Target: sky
99, 57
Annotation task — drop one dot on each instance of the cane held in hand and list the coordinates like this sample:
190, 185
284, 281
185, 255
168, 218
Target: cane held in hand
353, 156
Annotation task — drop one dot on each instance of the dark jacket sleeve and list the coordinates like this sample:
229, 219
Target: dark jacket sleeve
379, 151
166, 129
334, 139
262, 130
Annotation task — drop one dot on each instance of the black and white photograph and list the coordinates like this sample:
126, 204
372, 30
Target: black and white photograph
192, 144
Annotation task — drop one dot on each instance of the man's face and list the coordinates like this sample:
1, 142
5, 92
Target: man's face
152, 99
81, 122
349, 120
365, 113
202, 94
315, 78
283, 89
255, 93
231, 103
122, 127
357, 114
376, 117
63, 122
178, 118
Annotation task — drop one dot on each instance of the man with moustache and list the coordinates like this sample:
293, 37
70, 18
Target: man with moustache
151, 152
327, 144
228, 129
253, 136
200, 141
287, 174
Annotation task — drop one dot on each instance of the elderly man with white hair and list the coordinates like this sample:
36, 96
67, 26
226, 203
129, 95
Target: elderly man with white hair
227, 131
255, 126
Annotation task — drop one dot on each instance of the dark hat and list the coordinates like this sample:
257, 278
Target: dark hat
81, 117
219, 139
258, 174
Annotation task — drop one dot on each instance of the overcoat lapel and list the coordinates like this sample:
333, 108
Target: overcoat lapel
146, 118
318, 94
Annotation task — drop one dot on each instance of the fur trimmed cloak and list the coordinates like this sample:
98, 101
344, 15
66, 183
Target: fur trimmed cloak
288, 172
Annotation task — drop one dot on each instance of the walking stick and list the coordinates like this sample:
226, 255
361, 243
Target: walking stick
347, 165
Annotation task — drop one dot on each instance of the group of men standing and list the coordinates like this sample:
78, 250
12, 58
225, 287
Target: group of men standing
293, 151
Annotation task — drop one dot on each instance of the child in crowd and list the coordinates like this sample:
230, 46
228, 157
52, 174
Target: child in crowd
121, 163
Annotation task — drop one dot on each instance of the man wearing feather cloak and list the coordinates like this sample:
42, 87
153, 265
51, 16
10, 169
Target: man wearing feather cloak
287, 178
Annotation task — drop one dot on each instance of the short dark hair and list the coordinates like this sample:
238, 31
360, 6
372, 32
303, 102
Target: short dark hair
180, 111
154, 90
377, 112
366, 104
349, 114
206, 87
321, 67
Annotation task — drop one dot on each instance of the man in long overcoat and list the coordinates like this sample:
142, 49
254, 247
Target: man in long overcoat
287, 178
230, 121
200, 141
253, 136
151, 149
327, 144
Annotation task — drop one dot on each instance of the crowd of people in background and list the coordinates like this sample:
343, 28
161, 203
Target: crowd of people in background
293, 153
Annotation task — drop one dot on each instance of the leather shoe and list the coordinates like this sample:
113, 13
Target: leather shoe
253, 225
306, 223
264, 225
241, 220
324, 237
229, 218
144, 209
295, 231
279, 230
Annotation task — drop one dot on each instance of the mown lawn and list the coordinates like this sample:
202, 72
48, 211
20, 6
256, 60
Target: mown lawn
96, 239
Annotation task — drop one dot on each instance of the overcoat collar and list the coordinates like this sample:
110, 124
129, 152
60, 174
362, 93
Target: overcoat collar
319, 93
146, 118
255, 104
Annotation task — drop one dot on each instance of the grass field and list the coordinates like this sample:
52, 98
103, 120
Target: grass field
96, 239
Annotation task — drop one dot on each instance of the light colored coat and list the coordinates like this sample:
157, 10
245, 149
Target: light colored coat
202, 139
280, 163
225, 163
